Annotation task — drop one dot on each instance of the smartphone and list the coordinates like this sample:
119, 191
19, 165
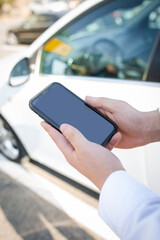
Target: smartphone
56, 105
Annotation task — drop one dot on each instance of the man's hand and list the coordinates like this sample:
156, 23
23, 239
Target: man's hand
92, 160
136, 128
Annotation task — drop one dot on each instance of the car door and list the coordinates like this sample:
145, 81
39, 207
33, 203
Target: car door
103, 52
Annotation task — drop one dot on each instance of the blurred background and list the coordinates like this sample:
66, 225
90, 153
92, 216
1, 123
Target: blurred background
21, 22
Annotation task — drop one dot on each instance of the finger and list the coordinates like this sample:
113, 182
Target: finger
61, 142
114, 141
106, 104
101, 110
74, 136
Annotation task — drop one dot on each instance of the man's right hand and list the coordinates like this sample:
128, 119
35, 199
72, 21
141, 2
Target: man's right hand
136, 128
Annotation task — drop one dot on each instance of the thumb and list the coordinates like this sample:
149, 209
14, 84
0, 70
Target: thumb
73, 136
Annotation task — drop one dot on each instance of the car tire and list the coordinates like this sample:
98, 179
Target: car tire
10, 146
12, 39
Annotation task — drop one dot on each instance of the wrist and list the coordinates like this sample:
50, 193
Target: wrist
152, 127
103, 179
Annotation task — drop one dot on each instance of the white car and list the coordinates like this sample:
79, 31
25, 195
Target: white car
101, 48
44, 6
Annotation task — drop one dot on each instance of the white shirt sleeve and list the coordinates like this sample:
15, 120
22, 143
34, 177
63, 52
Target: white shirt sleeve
129, 208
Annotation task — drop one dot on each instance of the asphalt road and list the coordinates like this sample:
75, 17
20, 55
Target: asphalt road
24, 215
37, 203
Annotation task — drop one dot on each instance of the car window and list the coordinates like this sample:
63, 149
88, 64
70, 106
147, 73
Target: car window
113, 40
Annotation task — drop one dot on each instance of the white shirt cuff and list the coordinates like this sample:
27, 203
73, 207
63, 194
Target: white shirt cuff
120, 197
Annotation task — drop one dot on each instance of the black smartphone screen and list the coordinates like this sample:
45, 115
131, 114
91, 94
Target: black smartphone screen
56, 105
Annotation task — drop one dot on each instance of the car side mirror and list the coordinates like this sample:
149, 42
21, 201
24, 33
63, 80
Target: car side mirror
20, 73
